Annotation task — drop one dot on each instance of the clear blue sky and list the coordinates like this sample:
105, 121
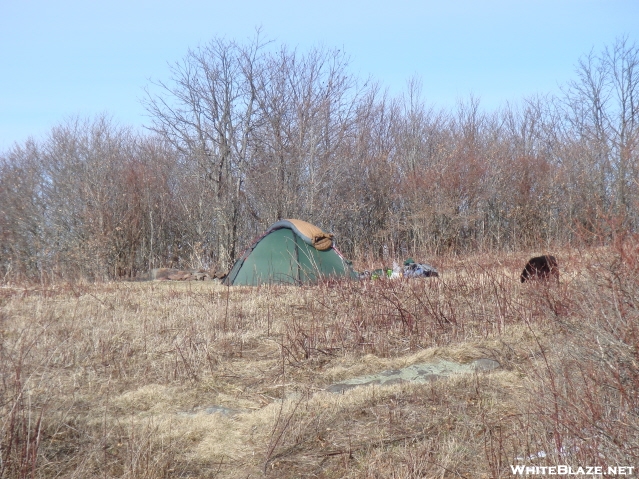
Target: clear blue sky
60, 58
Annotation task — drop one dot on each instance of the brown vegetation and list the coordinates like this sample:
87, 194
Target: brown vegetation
172, 274
245, 135
194, 379
114, 380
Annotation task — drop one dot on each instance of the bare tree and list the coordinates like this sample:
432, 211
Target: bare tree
208, 113
245, 134
308, 105
602, 107
22, 210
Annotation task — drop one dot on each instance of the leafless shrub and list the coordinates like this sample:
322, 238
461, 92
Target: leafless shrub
586, 391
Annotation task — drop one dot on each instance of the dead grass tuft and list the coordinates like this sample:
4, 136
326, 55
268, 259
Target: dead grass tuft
118, 379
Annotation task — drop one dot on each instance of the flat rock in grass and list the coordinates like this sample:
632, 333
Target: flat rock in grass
485, 364
417, 373
224, 411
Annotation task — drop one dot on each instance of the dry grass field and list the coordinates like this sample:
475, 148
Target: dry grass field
120, 379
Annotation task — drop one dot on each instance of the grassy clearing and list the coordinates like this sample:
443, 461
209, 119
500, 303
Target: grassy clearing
113, 380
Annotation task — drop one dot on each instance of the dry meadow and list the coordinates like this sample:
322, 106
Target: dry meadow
195, 379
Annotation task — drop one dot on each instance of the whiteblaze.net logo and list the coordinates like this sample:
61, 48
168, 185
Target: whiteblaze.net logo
572, 471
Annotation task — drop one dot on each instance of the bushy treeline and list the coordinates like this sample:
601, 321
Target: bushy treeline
244, 134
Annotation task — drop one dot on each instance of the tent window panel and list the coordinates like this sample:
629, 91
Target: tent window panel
271, 261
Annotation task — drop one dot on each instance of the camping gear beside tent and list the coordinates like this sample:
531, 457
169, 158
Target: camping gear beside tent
410, 269
290, 251
418, 270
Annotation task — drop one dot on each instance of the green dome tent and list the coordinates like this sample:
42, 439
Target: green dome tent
290, 251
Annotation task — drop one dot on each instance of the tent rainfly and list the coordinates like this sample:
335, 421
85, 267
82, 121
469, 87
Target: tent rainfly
290, 251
